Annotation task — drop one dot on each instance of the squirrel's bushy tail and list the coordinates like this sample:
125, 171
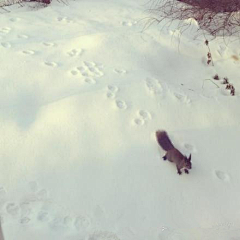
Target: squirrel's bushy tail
164, 141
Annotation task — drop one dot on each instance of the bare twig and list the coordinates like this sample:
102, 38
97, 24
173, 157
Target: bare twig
216, 18
210, 81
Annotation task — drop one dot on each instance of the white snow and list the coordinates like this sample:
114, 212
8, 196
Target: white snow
83, 90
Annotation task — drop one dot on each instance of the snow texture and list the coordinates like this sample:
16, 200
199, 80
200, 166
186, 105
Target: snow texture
84, 88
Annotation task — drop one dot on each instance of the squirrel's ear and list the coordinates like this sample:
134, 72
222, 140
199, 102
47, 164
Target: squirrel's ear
190, 157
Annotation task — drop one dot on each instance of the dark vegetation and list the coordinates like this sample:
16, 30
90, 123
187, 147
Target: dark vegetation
214, 17
7, 3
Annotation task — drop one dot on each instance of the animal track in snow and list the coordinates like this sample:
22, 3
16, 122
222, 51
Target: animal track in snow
139, 121
29, 52
112, 90
74, 72
6, 45
129, 23
120, 71
64, 19
12, 209
49, 44
90, 80
144, 116
50, 64
181, 97
34, 207
42, 194
91, 69
5, 30
75, 52
189, 147
103, 235
121, 104
25, 220
56, 223
88, 69
43, 216
111, 95
82, 223
154, 86
25, 209
23, 36
68, 221
222, 175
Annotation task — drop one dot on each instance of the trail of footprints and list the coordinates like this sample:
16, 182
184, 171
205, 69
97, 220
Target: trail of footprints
154, 88
88, 70
4, 31
143, 116
111, 94
91, 70
37, 208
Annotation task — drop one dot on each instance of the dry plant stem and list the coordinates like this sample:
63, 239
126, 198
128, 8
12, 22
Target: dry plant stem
210, 81
216, 77
225, 80
209, 54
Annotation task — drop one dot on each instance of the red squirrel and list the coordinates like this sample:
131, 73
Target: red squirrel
173, 155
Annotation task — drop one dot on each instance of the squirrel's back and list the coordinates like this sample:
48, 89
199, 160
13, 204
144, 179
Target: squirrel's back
164, 141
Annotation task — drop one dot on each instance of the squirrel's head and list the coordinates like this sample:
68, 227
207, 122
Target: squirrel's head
188, 163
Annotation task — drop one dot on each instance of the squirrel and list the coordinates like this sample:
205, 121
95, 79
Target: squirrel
173, 155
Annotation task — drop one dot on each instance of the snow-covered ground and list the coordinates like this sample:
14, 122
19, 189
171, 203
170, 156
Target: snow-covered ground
83, 90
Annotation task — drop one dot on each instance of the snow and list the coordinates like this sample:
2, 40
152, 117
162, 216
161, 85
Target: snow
83, 90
